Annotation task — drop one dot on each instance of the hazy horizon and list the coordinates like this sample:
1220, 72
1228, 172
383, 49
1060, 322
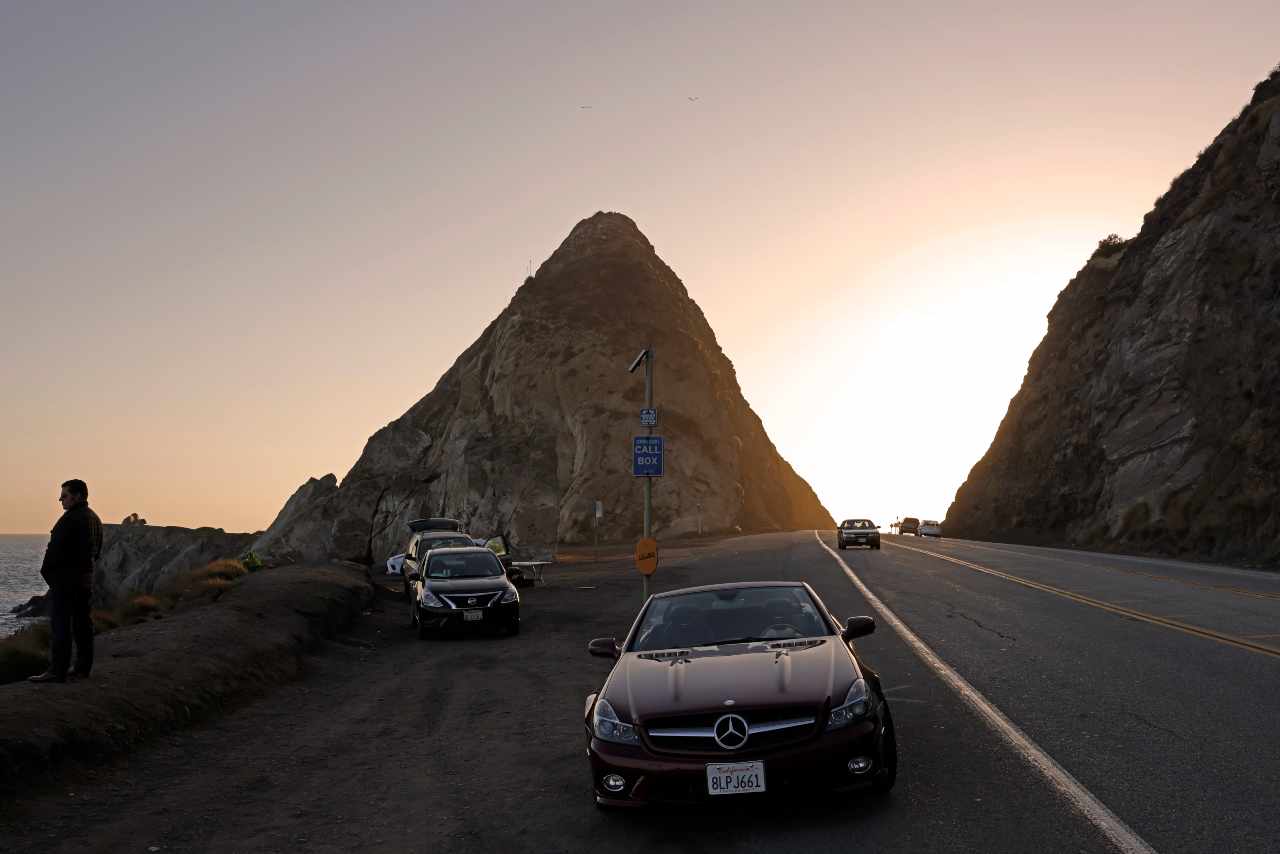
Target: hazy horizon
218, 216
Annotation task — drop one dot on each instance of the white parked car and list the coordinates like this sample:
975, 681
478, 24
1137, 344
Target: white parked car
930, 528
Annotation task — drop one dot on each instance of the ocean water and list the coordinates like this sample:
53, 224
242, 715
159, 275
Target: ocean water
20, 556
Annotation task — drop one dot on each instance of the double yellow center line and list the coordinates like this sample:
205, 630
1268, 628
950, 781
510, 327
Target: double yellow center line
1220, 637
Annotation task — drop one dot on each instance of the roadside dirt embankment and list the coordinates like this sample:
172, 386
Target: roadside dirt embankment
159, 675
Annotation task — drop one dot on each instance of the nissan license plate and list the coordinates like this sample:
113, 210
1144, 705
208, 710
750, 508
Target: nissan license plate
472, 616
735, 778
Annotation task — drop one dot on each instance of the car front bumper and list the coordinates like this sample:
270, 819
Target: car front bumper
855, 540
818, 764
495, 616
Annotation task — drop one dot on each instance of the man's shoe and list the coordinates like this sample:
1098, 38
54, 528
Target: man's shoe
48, 676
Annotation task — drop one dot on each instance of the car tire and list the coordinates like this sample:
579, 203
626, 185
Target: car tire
883, 780
876, 547
514, 628
423, 631
840, 545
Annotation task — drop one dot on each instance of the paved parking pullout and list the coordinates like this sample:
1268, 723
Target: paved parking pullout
395, 744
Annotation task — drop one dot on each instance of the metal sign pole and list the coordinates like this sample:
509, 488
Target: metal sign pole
648, 463
648, 481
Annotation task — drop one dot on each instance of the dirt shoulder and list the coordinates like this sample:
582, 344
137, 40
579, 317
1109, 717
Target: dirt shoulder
154, 677
668, 550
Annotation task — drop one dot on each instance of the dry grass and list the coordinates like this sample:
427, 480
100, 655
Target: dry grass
139, 608
25, 653
104, 620
206, 583
229, 570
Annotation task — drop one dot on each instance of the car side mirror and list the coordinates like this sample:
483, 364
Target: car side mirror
413, 575
858, 627
604, 647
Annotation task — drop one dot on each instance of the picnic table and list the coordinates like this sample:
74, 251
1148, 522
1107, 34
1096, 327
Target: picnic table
533, 568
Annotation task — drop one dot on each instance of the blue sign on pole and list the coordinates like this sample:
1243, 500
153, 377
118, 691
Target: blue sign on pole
647, 461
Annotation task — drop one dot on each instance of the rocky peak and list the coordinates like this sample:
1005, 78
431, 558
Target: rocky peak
533, 423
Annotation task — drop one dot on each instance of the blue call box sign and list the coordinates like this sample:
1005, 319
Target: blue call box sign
647, 459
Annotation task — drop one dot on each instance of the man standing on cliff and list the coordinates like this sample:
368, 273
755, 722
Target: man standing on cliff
74, 546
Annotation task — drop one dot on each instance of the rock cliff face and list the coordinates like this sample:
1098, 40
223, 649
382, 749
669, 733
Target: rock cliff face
533, 423
136, 558
1149, 415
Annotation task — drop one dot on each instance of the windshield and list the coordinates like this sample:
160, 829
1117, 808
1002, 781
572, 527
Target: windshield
858, 524
427, 545
466, 565
736, 615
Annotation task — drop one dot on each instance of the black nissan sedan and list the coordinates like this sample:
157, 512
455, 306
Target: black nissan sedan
465, 587
736, 690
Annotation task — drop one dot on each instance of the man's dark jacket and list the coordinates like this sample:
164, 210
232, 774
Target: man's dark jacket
74, 546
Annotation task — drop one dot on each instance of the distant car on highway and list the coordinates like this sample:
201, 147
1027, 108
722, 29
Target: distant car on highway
858, 532
465, 587
930, 528
909, 525
737, 689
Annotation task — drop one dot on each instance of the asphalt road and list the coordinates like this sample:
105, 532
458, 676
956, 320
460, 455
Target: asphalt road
395, 744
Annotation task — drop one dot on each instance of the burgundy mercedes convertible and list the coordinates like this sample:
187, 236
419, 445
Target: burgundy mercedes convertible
737, 689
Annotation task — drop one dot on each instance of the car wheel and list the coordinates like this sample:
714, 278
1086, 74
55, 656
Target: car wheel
840, 545
876, 547
515, 627
423, 631
884, 779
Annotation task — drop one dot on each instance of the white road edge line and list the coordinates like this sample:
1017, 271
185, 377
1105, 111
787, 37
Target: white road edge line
1081, 799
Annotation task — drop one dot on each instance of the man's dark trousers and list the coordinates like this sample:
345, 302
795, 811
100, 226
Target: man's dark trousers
68, 617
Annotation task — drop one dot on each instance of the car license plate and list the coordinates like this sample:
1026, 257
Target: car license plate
472, 616
735, 778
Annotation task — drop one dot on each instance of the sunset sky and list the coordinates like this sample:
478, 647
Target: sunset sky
217, 218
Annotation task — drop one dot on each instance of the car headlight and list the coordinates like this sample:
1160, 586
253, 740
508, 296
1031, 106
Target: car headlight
510, 596
430, 600
857, 704
607, 727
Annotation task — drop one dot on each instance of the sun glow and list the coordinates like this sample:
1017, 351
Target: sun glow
924, 353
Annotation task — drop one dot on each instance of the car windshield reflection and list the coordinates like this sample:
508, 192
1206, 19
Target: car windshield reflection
721, 617
469, 565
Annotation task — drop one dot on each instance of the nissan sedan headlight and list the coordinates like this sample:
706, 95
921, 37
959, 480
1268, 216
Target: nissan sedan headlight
857, 704
510, 596
607, 727
430, 600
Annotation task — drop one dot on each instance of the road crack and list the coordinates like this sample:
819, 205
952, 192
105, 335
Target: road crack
1154, 725
954, 613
